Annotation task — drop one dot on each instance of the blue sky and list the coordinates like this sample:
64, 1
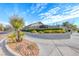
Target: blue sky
44, 12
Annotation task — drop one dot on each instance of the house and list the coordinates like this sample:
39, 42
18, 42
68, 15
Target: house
37, 25
40, 25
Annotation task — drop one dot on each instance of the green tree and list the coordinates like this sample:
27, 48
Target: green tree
73, 27
66, 24
70, 26
17, 23
1, 27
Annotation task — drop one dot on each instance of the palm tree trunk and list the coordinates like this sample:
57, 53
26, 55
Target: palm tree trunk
17, 36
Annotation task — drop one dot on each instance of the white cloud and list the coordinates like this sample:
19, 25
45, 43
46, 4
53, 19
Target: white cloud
38, 7
42, 6
72, 10
54, 10
50, 12
49, 17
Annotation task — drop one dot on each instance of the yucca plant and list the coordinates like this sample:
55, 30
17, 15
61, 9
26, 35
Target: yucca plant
17, 23
12, 37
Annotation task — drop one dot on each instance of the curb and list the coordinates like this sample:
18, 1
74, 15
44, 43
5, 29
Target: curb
50, 36
2, 40
10, 50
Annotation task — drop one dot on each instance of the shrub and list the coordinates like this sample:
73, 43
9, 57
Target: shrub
48, 30
41, 32
34, 31
78, 31
60, 31
54, 31
63, 31
22, 34
12, 37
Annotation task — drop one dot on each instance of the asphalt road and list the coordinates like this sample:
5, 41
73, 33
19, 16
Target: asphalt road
58, 47
49, 47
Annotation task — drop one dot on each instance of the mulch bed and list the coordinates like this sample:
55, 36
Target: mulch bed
25, 48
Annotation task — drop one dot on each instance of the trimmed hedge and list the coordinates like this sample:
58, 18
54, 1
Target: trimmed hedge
34, 31
50, 30
78, 31
54, 31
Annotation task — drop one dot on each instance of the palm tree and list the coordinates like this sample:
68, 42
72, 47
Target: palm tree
17, 23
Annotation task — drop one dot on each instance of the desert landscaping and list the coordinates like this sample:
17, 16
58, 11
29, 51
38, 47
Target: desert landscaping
39, 29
